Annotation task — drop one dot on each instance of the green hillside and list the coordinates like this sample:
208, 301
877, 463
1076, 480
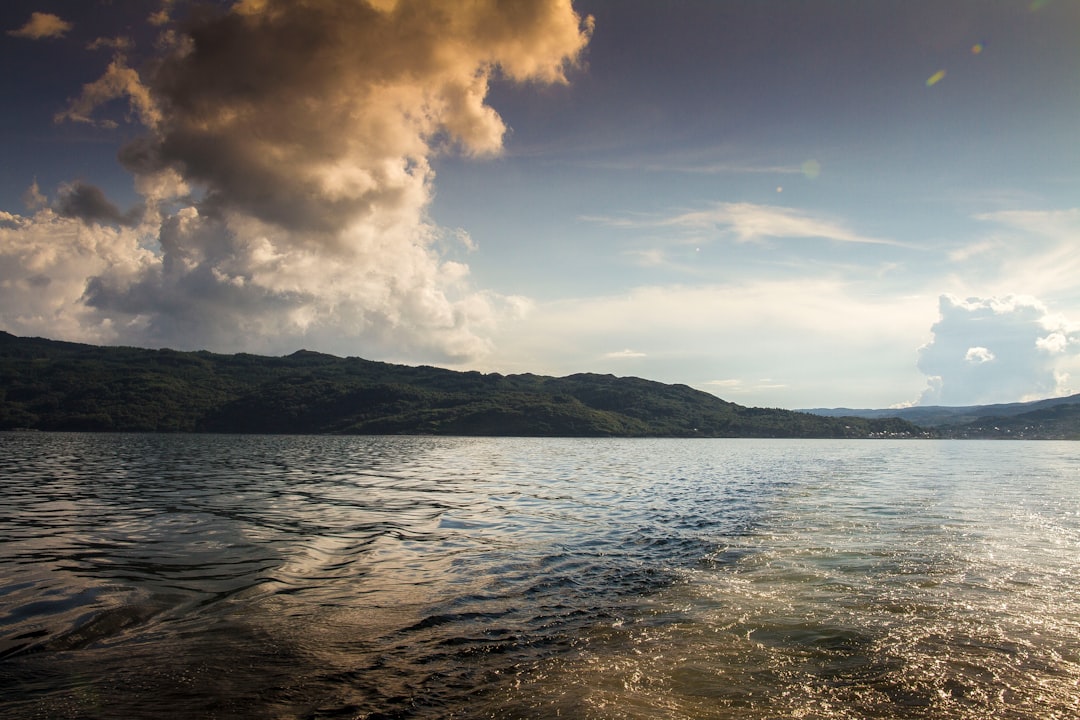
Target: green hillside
1060, 421
50, 385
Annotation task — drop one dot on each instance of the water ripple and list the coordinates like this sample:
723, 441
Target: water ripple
273, 577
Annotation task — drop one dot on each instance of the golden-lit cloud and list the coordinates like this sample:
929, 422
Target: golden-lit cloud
42, 25
285, 172
119, 82
316, 115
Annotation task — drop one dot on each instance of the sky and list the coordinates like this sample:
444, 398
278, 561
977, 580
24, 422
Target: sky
824, 203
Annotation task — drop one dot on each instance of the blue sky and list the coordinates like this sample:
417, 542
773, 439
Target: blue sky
858, 204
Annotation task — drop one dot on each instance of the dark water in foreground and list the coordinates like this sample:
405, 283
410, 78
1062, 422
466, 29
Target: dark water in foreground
311, 577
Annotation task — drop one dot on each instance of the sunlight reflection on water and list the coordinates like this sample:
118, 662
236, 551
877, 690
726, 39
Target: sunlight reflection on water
213, 576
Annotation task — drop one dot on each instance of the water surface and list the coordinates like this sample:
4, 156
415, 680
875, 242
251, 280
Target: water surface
158, 576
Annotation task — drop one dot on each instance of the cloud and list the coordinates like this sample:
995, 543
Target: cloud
692, 166
33, 198
163, 14
42, 25
750, 222
45, 261
738, 386
978, 355
1032, 249
1054, 343
118, 82
89, 204
1054, 224
627, 353
973, 250
286, 177
851, 347
992, 350
729, 384
118, 44
315, 116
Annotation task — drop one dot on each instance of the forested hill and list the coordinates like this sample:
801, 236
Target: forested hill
1051, 419
50, 385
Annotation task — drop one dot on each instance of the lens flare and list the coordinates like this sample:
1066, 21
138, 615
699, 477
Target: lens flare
811, 169
935, 78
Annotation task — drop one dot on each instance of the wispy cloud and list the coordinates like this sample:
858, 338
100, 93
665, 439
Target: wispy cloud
736, 386
651, 257
627, 353
1054, 224
750, 222
692, 167
974, 250
1031, 251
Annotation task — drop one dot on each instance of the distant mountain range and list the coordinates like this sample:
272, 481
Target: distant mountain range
51, 385
1054, 418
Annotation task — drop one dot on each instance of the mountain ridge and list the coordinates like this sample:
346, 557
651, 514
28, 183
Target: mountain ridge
1047, 419
56, 385
938, 415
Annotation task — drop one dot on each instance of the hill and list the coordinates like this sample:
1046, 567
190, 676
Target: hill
937, 415
1060, 421
1050, 419
51, 385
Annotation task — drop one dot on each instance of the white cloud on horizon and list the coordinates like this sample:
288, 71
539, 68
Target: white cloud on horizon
847, 345
997, 349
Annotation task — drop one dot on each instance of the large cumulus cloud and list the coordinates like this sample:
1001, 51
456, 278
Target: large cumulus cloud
286, 174
45, 262
997, 349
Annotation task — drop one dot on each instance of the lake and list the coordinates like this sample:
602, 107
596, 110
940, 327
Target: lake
187, 576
